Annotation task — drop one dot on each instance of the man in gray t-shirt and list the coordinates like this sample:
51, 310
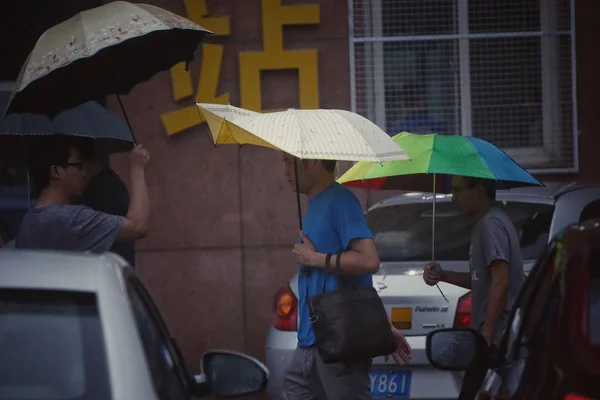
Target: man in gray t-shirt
57, 222
496, 268
495, 246
68, 227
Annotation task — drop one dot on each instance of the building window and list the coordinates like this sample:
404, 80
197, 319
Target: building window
498, 70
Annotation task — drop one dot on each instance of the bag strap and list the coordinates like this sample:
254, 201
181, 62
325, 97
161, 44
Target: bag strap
327, 268
338, 268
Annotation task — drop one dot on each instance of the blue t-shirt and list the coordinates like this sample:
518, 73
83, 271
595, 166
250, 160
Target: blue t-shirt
333, 219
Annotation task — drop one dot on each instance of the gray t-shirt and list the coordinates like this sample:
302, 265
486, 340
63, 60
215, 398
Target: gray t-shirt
494, 238
68, 228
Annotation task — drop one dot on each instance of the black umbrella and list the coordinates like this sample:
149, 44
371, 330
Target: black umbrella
102, 51
88, 120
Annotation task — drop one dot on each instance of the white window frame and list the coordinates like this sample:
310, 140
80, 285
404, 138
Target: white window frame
550, 93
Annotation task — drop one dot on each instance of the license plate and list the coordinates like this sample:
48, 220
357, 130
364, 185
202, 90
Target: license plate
390, 384
402, 317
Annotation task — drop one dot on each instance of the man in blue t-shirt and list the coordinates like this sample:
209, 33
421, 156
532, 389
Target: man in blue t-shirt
333, 224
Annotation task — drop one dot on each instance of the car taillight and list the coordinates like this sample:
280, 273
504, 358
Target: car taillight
573, 396
462, 319
285, 310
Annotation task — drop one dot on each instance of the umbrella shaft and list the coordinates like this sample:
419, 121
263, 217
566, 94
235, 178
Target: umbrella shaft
433, 222
126, 119
298, 193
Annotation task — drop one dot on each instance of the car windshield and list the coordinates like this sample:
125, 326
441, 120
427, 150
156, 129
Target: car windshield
51, 346
403, 232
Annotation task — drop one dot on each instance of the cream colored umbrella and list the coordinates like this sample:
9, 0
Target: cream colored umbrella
307, 134
102, 51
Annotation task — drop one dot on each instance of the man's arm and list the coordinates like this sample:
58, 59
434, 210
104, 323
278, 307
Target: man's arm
135, 225
360, 256
360, 259
497, 300
433, 273
462, 279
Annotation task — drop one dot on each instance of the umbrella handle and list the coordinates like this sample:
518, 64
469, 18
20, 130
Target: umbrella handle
127, 119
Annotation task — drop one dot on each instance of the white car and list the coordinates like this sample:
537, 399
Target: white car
402, 227
83, 327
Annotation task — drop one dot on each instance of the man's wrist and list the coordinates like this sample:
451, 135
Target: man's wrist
444, 276
135, 169
317, 260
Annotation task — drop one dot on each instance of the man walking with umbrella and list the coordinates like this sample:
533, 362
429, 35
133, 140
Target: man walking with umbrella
57, 222
333, 224
496, 269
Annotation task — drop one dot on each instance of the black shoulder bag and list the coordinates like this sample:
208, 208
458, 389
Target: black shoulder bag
350, 324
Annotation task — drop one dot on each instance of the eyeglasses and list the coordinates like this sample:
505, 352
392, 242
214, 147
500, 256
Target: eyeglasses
78, 165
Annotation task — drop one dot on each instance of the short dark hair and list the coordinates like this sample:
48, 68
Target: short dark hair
489, 185
46, 152
329, 165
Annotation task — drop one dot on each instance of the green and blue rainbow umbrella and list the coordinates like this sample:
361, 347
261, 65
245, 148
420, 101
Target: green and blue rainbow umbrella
439, 154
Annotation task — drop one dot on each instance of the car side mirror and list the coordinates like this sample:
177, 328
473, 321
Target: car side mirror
231, 374
454, 349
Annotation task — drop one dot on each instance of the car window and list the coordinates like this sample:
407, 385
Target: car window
163, 359
403, 232
51, 346
591, 211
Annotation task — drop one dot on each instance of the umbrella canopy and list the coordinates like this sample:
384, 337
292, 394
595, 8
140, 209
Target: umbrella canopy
307, 134
101, 51
89, 120
440, 154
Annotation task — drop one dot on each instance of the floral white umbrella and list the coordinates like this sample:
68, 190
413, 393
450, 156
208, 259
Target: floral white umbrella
102, 51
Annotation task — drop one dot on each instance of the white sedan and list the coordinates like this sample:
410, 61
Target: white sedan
83, 327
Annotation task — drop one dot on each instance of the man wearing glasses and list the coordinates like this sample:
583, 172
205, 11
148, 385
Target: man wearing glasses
57, 222
496, 269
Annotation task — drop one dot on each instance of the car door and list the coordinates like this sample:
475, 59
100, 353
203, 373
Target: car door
169, 374
530, 318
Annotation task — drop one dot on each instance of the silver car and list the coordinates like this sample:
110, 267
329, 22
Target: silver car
83, 327
402, 227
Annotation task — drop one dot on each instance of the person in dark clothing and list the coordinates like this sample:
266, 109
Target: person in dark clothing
106, 192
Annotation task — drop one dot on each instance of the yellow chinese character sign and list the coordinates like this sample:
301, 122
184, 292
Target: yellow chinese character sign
272, 57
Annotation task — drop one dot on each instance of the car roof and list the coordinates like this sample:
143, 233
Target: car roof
49, 270
532, 194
